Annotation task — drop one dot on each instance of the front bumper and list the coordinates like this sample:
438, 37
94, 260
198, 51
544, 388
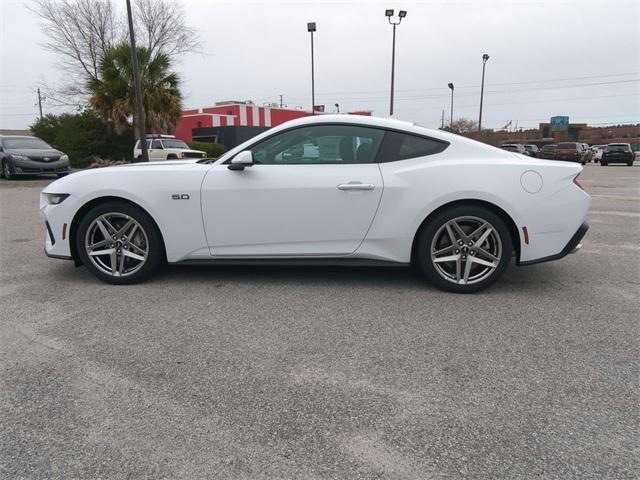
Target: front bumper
572, 246
32, 167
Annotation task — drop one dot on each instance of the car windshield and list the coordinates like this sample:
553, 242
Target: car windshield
26, 143
173, 143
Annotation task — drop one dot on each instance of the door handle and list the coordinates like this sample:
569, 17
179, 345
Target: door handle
355, 186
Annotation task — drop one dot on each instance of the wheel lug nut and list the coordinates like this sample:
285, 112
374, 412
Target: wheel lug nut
464, 257
470, 244
457, 251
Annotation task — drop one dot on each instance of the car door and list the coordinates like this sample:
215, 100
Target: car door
312, 191
156, 152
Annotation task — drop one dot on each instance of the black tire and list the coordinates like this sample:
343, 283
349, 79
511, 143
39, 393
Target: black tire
630, 164
171, 156
6, 171
603, 164
155, 247
60, 175
500, 236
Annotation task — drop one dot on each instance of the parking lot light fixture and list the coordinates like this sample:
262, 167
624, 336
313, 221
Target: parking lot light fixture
311, 27
389, 14
485, 57
451, 124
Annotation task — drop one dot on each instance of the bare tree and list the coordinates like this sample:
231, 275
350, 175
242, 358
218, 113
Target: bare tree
80, 32
463, 125
161, 28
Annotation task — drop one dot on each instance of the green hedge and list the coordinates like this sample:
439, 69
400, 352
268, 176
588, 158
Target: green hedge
83, 137
213, 150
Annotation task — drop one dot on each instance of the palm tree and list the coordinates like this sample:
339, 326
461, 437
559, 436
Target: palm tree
113, 92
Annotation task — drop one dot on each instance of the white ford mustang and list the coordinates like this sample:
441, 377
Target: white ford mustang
335, 189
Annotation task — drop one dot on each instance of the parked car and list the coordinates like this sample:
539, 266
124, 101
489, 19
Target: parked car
617, 153
586, 152
548, 151
166, 147
532, 149
596, 152
23, 155
456, 208
570, 151
514, 147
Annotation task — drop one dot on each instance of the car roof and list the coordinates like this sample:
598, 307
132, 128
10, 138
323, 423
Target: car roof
18, 136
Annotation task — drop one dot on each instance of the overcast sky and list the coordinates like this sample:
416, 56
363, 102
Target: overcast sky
575, 58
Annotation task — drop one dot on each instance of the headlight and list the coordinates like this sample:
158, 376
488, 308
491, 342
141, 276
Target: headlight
19, 157
55, 198
64, 158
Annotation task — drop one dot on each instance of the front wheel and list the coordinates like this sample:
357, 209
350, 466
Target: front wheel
119, 243
464, 249
6, 171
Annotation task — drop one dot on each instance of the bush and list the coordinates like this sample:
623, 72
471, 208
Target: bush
83, 136
213, 150
98, 162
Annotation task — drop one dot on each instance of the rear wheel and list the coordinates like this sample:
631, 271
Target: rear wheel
119, 243
464, 249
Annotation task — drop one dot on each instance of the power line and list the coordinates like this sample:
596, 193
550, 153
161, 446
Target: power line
300, 95
492, 92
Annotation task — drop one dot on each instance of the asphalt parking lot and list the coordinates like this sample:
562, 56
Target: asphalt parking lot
250, 373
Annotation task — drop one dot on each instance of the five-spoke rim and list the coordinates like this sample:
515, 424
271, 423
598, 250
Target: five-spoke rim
116, 244
466, 250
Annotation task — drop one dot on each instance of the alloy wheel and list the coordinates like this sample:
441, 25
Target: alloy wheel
116, 244
466, 250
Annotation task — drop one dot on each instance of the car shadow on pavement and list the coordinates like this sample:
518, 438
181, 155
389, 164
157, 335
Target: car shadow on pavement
533, 279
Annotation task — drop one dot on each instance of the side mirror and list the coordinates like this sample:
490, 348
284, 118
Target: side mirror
241, 160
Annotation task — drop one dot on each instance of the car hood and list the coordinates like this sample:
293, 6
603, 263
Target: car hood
48, 152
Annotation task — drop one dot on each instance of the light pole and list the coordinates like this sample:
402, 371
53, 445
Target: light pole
337, 105
138, 88
401, 14
485, 57
451, 124
311, 27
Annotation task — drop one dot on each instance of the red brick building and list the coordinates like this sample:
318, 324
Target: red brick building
233, 122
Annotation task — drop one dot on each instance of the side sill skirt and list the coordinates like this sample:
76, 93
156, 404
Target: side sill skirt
304, 262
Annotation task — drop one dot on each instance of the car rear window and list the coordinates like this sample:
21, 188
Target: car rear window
567, 146
402, 146
618, 148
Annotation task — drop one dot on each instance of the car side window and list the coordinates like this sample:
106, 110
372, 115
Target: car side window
157, 144
320, 144
402, 146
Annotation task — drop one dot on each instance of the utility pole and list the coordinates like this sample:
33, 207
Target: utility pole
442, 121
40, 103
280, 101
136, 80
